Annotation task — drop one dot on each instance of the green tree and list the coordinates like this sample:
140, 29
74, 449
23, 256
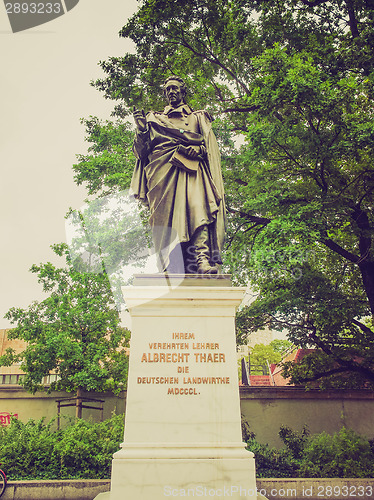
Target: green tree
296, 79
110, 161
74, 333
261, 354
281, 346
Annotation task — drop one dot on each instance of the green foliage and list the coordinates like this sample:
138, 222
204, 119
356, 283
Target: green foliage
296, 80
271, 462
109, 164
295, 441
74, 333
260, 354
247, 434
344, 454
284, 462
281, 346
334, 376
33, 450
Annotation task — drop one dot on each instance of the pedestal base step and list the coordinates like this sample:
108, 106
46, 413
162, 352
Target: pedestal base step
158, 479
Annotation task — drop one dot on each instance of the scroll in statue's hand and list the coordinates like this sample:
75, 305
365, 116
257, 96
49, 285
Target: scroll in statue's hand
140, 119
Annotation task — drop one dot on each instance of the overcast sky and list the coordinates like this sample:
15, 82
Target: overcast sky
45, 90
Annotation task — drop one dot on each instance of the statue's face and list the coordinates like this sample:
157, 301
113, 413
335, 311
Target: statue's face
173, 93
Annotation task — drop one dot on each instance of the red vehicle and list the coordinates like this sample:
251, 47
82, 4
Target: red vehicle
3, 482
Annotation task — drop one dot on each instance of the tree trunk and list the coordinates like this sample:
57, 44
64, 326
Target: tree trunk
352, 19
367, 273
78, 404
365, 262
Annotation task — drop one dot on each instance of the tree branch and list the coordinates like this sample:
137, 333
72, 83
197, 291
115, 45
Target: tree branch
241, 182
322, 176
288, 154
283, 322
340, 250
313, 3
352, 366
233, 236
369, 191
292, 202
252, 218
352, 19
214, 60
318, 376
363, 327
352, 182
247, 109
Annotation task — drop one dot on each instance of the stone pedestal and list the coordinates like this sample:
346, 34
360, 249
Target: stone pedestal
182, 424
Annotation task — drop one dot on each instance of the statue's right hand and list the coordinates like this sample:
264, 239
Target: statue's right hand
140, 119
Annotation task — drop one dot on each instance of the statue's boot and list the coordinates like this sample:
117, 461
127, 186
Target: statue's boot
200, 241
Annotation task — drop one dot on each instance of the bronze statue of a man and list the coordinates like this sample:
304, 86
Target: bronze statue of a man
178, 174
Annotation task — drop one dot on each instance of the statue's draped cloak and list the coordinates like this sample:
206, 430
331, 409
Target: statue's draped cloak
180, 202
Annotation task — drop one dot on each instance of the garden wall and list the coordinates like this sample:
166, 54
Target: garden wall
267, 408
264, 408
15, 400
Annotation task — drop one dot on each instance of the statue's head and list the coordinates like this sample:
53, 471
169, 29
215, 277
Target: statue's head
175, 90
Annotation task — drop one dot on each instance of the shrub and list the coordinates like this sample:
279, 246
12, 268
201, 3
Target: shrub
271, 462
85, 450
247, 434
344, 454
295, 441
27, 450
33, 450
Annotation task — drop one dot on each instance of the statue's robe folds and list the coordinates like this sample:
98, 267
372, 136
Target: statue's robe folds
179, 201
